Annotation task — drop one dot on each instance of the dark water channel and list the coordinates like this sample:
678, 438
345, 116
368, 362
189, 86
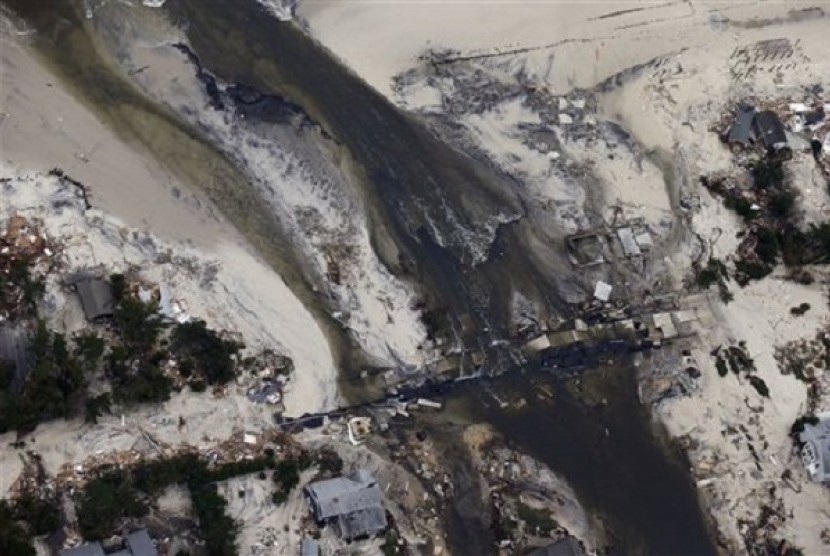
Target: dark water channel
434, 211
596, 435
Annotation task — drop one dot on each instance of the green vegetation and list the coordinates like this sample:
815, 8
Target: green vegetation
54, 386
390, 543
746, 271
329, 462
204, 351
96, 406
798, 426
98, 513
759, 385
539, 522
715, 273
767, 174
15, 538
42, 516
741, 206
766, 246
218, 530
800, 310
781, 203
105, 501
17, 282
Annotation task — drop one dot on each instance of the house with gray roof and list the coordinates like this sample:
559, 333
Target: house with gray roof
138, 543
741, 131
815, 449
769, 131
95, 295
567, 546
16, 351
89, 549
352, 503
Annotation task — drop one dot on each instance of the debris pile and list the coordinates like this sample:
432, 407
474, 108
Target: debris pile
23, 249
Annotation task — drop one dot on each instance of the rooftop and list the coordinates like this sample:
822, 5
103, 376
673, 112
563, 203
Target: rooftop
353, 501
816, 450
568, 546
96, 297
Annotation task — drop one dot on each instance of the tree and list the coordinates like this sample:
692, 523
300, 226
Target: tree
105, 501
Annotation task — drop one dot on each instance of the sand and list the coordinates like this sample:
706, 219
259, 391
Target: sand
131, 189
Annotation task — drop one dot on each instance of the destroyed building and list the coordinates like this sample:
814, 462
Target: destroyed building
95, 295
15, 351
740, 133
815, 452
567, 546
769, 131
352, 504
138, 543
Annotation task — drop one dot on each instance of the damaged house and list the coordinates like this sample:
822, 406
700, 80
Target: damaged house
762, 128
815, 449
138, 543
769, 132
353, 504
95, 295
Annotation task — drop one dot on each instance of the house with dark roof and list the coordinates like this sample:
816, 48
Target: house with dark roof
815, 448
567, 546
769, 131
138, 543
16, 351
95, 295
740, 134
89, 549
353, 504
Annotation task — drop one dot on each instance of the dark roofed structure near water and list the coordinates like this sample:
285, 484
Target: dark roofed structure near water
138, 543
95, 295
353, 503
568, 546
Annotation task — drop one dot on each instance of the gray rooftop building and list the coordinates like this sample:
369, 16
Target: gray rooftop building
815, 452
90, 549
309, 547
567, 546
96, 297
769, 130
741, 131
138, 543
353, 503
15, 350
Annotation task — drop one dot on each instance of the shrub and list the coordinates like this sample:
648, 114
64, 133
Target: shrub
105, 501
759, 385
767, 173
207, 352
800, 310
741, 206
781, 203
14, 538
766, 246
747, 271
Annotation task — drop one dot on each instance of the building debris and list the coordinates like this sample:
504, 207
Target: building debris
602, 291
137, 543
95, 295
815, 452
